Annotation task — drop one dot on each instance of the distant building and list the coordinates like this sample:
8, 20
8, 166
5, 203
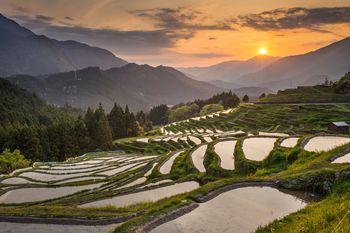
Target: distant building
340, 127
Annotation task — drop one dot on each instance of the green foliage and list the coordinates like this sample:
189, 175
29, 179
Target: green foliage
343, 85
10, 161
183, 112
99, 129
211, 108
158, 115
245, 99
226, 99
243, 165
319, 93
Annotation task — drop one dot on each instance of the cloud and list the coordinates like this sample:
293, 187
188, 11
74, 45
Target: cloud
295, 18
44, 18
209, 55
171, 25
133, 42
181, 18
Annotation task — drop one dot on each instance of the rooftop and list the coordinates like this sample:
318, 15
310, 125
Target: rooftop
340, 123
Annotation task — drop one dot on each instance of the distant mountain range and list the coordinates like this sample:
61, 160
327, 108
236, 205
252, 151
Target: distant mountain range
139, 86
229, 71
329, 62
23, 52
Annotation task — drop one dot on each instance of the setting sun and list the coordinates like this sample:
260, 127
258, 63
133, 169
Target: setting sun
262, 51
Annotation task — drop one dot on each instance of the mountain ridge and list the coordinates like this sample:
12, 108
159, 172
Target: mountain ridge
329, 62
38, 54
139, 86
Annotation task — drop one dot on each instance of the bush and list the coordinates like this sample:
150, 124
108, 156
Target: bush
10, 161
211, 108
183, 112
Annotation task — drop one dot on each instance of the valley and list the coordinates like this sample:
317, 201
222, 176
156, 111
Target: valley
172, 116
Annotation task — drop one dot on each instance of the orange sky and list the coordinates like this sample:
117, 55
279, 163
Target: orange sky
138, 31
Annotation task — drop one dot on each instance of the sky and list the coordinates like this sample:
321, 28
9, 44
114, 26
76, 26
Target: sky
185, 33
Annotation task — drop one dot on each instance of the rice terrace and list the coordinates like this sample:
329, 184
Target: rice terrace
239, 124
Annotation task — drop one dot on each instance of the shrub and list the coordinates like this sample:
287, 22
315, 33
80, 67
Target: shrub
10, 161
211, 108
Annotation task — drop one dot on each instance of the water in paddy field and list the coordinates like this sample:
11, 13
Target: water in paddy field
198, 157
343, 159
258, 148
7, 227
289, 142
145, 196
241, 210
225, 151
325, 143
166, 167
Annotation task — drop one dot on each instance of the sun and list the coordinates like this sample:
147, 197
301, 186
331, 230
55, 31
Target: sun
262, 51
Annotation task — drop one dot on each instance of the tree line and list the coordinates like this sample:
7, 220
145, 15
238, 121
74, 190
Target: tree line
70, 137
162, 114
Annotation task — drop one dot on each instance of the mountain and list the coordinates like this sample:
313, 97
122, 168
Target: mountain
139, 86
337, 92
230, 70
23, 52
311, 68
18, 106
241, 91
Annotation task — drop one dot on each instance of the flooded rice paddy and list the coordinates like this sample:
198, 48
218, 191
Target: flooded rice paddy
7, 227
258, 148
24, 195
325, 143
290, 142
241, 210
195, 140
198, 158
145, 196
343, 159
225, 150
166, 167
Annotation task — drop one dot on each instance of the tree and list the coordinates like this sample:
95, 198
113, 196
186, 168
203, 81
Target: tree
81, 135
227, 99
10, 161
131, 126
99, 129
143, 121
183, 112
211, 108
117, 121
245, 99
263, 95
158, 115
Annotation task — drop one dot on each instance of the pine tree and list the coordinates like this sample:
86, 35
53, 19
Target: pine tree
245, 98
102, 134
116, 121
159, 115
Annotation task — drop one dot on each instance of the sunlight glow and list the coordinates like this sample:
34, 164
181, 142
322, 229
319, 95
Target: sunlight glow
262, 51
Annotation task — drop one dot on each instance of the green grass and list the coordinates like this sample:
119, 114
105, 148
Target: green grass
307, 94
329, 215
280, 118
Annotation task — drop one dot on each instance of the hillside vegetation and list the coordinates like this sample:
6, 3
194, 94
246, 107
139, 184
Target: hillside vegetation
329, 92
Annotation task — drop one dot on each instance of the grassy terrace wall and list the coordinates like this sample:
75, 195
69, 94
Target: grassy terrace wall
315, 94
291, 119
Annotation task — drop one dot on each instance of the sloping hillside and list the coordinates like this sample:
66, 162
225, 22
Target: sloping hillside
18, 106
139, 86
311, 68
338, 92
230, 70
23, 52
